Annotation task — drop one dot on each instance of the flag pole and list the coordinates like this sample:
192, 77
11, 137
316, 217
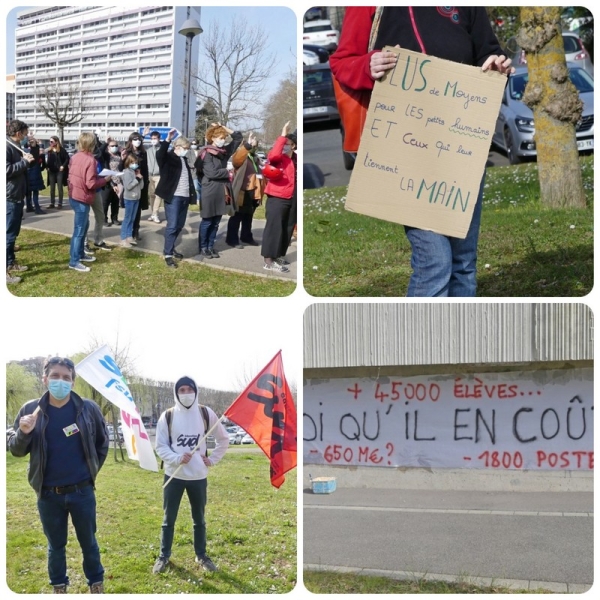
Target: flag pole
194, 450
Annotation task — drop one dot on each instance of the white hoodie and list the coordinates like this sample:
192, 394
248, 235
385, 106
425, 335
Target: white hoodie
187, 427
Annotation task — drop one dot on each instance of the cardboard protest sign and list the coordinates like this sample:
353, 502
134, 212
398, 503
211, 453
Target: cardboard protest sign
425, 143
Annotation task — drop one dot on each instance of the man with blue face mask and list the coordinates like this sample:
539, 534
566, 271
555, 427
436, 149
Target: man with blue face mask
67, 442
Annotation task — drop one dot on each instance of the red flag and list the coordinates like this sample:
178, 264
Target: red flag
265, 409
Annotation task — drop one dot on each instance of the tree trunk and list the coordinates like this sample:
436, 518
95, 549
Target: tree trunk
556, 107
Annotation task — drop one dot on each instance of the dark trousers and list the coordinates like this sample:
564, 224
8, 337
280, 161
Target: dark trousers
293, 218
136, 221
55, 179
172, 494
55, 510
233, 227
275, 237
110, 200
208, 232
176, 213
14, 216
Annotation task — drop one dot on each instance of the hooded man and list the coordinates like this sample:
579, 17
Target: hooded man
177, 433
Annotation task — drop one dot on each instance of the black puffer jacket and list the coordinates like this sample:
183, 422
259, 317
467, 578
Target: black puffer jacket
170, 173
16, 173
90, 422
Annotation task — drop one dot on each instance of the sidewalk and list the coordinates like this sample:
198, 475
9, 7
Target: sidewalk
518, 539
246, 260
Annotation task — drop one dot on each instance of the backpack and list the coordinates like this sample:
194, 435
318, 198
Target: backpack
169, 419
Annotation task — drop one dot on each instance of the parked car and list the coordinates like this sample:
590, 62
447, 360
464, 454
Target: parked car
111, 433
321, 52
574, 52
321, 33
514, 132
319, 102
235, 437
309, 57
247, 439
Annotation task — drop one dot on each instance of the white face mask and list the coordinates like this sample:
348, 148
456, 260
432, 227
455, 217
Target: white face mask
219, 142
154, 142
136, 143
181, 152
187, 399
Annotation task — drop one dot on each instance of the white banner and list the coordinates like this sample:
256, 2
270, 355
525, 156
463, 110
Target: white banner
532, 420
102, 373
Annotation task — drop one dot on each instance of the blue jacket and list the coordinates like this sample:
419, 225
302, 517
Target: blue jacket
90, 422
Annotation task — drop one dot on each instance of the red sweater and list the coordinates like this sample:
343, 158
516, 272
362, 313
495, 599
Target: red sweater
459, 34
282, 187
83, 177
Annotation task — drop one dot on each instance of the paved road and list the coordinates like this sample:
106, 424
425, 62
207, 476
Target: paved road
246, 260
522, 538
323, 165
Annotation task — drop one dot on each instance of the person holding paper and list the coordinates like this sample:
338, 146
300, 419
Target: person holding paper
84, 181
112, 193
133, 183
67, 442
181, 443
442, 265
135, 146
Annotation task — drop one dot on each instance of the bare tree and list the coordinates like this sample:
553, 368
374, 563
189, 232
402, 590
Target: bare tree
280, 108
63, 104
234, 65
556, 107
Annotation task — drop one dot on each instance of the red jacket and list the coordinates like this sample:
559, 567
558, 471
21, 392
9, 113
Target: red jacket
83, 177
284, 186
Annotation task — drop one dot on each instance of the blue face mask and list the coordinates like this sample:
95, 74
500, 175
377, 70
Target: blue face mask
134, 166
59, 389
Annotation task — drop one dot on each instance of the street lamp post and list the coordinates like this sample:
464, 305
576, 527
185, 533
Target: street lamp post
190, 29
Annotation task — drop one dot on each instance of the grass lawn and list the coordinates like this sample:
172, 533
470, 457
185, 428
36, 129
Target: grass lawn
251, 531
337, 583
128, 273
525, 249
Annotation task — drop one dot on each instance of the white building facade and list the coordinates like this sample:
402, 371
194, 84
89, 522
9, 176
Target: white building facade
128, 63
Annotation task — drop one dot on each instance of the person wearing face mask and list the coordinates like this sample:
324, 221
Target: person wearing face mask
217, 192
154, 201
178, 431
83, 183
176, 187
113, 192
281, 195
133, 183
66, 439
135, 146
192, 155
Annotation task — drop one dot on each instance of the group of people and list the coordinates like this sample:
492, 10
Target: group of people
174, 172
67, 441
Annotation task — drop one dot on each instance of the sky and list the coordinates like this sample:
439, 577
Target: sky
222, 343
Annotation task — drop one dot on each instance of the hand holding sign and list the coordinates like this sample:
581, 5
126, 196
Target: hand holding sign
381, 62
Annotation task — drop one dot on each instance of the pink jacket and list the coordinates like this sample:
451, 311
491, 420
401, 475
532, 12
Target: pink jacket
83, 177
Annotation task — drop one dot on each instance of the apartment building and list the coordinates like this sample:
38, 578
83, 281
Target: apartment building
128, 64
10, 97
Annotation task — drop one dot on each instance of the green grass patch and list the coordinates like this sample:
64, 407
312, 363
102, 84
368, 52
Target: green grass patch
525, 248
345, 583
126, 273
251, 532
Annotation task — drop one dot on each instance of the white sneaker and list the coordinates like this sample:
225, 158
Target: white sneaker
125, 244
132, 241
276, 267
154, 218
79, 267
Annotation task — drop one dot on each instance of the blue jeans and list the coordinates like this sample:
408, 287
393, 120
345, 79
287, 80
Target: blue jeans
443, 265
208, 231
198, 188
172, 494
81, 211
54, 512
131, 207
176, 213
14, 216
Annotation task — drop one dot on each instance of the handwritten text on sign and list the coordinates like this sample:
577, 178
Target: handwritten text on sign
425, 143
534, 420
